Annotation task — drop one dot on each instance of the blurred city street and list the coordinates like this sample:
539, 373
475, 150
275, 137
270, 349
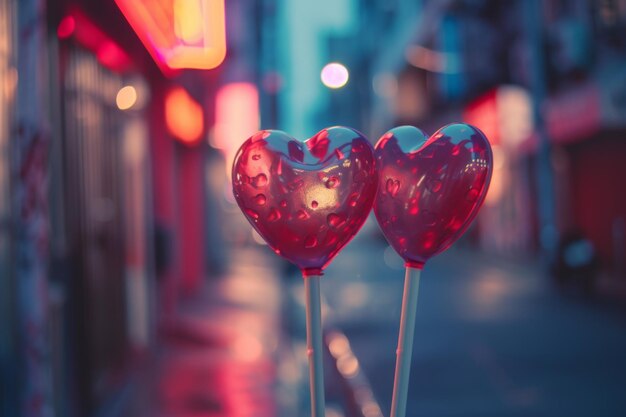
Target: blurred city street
493, 337
171, 169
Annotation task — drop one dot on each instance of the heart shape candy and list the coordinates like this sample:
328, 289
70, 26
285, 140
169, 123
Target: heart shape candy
306, 199
430, 188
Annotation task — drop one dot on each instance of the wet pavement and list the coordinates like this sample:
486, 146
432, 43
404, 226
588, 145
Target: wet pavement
223, 353
493, 336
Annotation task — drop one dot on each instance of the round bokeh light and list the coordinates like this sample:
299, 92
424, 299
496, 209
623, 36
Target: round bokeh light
126, 97
334, 75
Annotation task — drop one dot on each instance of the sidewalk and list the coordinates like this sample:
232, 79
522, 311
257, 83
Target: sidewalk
218, 356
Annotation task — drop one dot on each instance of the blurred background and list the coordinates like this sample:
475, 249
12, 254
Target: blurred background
131, 285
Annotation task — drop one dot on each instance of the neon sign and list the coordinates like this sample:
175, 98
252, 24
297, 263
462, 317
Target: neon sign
179, 33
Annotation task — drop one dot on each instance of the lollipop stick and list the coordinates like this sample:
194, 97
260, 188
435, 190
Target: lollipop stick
314, 344
405, 342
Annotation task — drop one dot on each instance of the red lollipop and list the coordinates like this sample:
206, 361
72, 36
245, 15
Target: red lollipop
429, 191
430, 188
307, 200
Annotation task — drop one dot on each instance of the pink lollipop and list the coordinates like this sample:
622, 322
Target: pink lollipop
430, 189
307, 200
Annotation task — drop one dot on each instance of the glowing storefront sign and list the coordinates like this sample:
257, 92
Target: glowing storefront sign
236, 117
179, 33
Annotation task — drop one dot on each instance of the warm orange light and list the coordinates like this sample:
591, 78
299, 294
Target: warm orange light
188, 21
236, 117
338, 344
183, 116
126, 97
179, 33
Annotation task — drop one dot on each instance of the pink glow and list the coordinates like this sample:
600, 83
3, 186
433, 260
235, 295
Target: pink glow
81, 29
66, 27
334, 75
236, 117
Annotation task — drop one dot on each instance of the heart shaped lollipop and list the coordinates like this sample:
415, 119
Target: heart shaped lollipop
429, 191
306, 199
430, 188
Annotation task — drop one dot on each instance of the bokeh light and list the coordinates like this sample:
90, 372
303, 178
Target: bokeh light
237, 117
126, 97
385, 85
183, 116
335, 75
66, 27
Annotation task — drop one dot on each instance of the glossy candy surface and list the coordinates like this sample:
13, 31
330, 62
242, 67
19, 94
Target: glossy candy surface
306, 199
430, 188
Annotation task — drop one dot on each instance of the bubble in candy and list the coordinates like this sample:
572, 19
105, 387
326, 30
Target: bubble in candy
306, 199
430, 188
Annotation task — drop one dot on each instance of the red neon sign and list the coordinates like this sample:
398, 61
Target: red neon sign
179, 33
483, 113
75, 25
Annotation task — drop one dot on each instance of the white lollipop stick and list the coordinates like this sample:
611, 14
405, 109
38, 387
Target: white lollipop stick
314, 344
405, 342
